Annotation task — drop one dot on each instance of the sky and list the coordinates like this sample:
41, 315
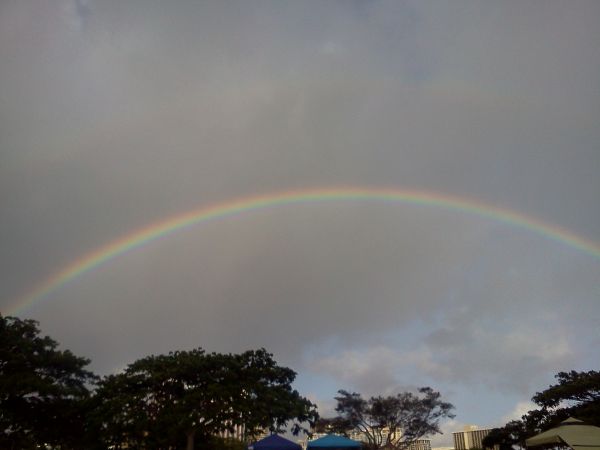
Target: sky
116, 116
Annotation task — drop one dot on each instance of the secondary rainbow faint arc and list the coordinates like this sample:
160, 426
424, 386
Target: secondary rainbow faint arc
229, 208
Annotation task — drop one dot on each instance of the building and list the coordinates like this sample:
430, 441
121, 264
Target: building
470, 438
238, 432
420, 444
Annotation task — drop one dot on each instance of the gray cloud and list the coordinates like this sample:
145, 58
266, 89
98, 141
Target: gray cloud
116, 115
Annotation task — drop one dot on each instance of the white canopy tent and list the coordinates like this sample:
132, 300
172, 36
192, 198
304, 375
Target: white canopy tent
571, 432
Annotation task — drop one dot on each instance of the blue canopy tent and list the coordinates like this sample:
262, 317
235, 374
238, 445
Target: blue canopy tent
334, 442
274, 442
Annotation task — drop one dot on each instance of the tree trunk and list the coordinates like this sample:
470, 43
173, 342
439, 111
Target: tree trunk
190, 439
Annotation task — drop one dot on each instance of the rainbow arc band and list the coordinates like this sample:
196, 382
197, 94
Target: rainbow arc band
238, 206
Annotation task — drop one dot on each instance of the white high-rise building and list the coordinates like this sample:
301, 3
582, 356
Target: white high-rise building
470, 438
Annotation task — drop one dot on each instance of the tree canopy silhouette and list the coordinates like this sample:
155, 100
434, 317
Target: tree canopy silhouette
394, 421
158, 400
43, 390
576, 394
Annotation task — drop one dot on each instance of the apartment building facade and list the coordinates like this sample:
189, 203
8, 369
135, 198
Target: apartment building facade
470, 438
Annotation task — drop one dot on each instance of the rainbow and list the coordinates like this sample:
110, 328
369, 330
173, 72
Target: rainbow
171, 225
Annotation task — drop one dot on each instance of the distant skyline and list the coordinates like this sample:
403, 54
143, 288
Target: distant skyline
459, 248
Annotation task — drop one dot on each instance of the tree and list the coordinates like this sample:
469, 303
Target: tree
43, 390
576, 394
335, 425
513, 433
160, 400
268, 400
394, 421
216, 442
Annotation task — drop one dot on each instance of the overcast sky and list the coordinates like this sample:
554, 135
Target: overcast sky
118, 114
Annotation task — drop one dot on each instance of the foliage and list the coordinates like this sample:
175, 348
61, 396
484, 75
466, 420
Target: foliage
268, 400
513, 433
335, 425
43, 390
160, 399
576, 394
394, 421
163, 401
216, 442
